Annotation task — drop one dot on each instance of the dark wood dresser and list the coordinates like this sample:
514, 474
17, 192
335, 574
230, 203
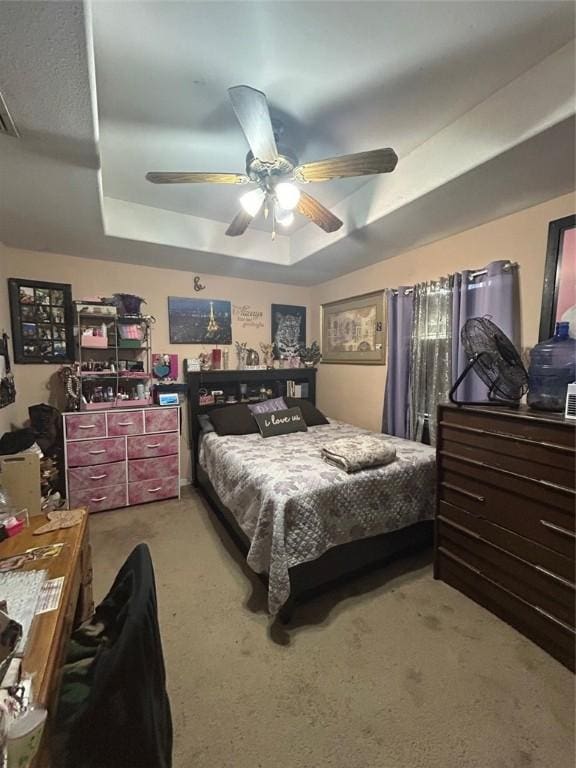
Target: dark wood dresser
505, 523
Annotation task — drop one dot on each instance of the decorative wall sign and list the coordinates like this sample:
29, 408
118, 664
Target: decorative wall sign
42, 321
559, 294
288, 329
247, 316
353, 330
199, 321
280, 422
198, 285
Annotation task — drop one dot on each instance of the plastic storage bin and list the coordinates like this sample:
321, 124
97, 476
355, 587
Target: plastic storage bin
552, 368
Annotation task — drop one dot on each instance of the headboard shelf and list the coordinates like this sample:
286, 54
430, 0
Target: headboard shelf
230, 382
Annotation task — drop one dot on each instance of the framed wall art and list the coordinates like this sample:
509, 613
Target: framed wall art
42, 321
353, 330
199, 321
288, 329
559, 293
7, 388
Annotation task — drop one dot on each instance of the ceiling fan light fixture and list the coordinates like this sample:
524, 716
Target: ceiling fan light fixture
282, 216
252, 201
287, 195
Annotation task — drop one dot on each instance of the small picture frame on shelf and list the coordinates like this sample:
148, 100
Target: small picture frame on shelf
42, 321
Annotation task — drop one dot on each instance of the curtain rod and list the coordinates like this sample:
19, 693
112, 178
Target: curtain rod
478, 273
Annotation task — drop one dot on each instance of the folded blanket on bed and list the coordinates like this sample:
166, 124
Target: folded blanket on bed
355, 453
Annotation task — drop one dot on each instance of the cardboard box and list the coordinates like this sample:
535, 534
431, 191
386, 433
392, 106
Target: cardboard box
20, 476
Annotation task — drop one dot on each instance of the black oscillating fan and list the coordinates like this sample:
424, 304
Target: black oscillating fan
495, 361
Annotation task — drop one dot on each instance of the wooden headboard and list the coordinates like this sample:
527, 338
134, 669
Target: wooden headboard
229, 382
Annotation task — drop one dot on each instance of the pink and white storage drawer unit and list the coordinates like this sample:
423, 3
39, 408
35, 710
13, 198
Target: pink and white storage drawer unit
119, 458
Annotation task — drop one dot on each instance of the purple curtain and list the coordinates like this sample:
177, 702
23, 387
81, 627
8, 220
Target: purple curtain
396, 418
495, 295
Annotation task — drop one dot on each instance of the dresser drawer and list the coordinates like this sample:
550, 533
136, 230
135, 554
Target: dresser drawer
148, 469
85, 453
531, 517
99, 499
528, 550
125, 423
82, 425
148, 446
96, 476
542, 588
547, 493
162, 420
551, 633
152, 490
541, 461
527, 426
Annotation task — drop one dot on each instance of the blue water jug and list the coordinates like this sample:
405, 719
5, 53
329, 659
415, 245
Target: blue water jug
552, 368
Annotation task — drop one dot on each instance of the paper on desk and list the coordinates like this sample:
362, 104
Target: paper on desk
49, 599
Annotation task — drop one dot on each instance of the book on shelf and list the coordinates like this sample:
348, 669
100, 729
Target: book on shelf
301, 390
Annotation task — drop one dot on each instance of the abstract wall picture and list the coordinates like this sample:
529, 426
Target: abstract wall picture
559, 294
199, 321
353, 330
288, 329
42, 321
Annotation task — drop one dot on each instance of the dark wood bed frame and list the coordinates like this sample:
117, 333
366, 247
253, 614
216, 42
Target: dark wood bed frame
342, 562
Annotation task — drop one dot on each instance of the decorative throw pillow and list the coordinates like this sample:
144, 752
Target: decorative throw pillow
267, 406
312, 416
280, 422
233, 420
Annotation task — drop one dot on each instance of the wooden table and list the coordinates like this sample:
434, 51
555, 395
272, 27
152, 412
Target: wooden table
46, 647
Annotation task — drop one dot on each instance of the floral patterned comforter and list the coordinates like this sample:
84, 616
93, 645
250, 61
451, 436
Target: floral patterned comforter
293, 506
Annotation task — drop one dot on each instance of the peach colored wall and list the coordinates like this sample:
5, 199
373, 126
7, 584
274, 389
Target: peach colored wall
355, 393
351, 393
103, 278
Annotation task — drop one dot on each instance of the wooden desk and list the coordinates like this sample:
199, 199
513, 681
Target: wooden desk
44, 653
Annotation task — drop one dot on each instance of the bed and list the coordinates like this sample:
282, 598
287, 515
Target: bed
292, 509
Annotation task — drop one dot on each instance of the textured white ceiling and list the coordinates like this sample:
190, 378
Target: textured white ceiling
344, 77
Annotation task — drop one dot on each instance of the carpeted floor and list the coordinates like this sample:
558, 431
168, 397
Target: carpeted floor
395, 671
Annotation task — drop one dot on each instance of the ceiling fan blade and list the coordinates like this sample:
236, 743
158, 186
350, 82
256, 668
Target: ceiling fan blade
252, 111
181, 177
359, 164
310, 207
239, 224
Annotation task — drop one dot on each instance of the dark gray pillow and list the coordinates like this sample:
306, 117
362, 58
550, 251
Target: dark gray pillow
312, 416
277, 423
233, 420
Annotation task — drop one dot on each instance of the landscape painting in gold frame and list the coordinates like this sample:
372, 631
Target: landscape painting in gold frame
353, 330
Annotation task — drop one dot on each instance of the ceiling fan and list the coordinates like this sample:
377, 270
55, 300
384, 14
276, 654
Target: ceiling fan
273, 169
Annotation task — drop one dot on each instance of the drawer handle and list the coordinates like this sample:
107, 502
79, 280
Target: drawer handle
558, 529
125, 423
153, 445
452, 524
101, 498
98, 477
155, 490
457, 489
459, 560
87, 426
95, 453
567, 627
555, 576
